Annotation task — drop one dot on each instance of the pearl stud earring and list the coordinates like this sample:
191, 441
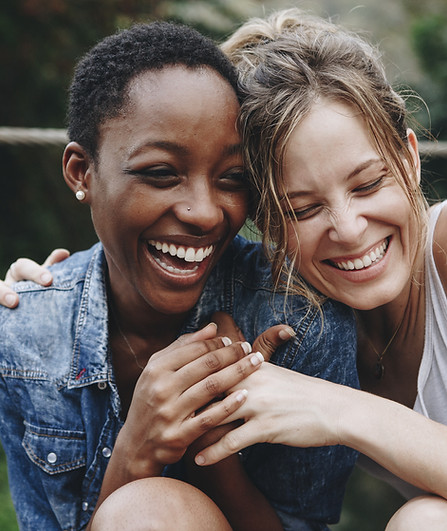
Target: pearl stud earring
80, 195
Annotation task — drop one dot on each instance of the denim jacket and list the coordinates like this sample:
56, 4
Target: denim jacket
60, 409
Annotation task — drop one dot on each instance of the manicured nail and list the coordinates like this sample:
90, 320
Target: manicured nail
287, 333
10, 299
256, 359
45, 278
226, 341
241, 395
200, 460
246, 347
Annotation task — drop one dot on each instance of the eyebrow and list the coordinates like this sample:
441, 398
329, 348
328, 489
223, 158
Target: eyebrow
358, 169
174, 147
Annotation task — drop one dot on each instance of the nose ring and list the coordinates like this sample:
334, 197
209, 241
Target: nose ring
188, 209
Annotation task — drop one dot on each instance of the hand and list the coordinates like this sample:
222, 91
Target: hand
282, 407
266, 343
26, 269
168, 410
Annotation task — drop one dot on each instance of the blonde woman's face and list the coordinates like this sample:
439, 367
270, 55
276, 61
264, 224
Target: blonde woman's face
355, 225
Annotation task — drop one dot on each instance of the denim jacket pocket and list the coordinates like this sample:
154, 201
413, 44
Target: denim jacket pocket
59, 456
55, 450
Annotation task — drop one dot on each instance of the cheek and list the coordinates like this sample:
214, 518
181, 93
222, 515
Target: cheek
294, 243
237, 209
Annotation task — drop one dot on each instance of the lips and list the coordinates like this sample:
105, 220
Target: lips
367, 260
178, 259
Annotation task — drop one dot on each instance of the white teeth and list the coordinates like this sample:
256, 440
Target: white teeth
175, 270
189, 254
358, 264
365, 261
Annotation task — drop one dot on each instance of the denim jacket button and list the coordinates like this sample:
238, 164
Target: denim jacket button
106, 452
51, 458
84, 506
102, 385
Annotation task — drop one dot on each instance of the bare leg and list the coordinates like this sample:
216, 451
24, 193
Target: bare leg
159, 504
424, 512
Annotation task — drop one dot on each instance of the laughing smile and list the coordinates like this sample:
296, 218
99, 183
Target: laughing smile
365, 261
178, 259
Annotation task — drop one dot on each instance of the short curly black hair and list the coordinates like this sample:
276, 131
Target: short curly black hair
101, 79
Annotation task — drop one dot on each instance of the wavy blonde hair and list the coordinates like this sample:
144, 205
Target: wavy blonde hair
286, 63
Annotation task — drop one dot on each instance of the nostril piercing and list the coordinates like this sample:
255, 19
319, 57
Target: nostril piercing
188, 209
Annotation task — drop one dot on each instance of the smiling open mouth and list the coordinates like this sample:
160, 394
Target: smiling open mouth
177, 259
365, 261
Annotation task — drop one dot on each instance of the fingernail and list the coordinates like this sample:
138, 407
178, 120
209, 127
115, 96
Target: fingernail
10, 299
246, 347
256, 359
287, 333
226, 341
241, 395
45, 278
200, 460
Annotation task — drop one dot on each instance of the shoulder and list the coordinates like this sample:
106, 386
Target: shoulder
439, 245
67, 273
48, 312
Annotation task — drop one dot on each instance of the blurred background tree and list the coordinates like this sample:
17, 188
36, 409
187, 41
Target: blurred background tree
40, 42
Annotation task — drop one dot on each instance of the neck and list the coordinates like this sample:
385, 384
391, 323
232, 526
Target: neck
139, 321
398, 328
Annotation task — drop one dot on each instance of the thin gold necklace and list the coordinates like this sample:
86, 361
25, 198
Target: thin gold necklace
379, 369
115, 318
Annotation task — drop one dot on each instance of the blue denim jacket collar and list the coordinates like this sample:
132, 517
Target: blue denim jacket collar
90, 353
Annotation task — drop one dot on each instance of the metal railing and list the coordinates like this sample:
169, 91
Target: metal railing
30, 136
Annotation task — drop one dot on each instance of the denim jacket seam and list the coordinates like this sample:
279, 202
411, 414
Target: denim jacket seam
81, 318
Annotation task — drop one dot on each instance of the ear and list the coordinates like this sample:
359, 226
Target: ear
77, 168
413, 146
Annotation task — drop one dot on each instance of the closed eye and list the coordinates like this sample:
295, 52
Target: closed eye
304, 213
236, 179
370, 187
158, 176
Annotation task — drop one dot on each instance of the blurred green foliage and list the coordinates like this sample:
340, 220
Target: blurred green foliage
41, 40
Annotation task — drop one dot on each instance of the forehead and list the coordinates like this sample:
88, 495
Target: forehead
193, 109
174, 87
331, 136
175, 102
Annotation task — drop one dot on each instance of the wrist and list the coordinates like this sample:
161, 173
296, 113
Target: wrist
134, 461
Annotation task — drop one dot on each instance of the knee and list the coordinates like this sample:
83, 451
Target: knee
424, 512
158, 504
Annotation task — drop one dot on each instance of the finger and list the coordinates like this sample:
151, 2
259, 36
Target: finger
58, 255
272, 338
177, 357
207, 332
214, 385
216, 415
213, 361
8, 297
26, 269
227, 327
232, 442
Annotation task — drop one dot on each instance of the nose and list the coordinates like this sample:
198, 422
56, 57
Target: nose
200, 208
347, 226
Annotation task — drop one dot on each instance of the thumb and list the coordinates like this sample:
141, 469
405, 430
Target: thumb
271, 339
